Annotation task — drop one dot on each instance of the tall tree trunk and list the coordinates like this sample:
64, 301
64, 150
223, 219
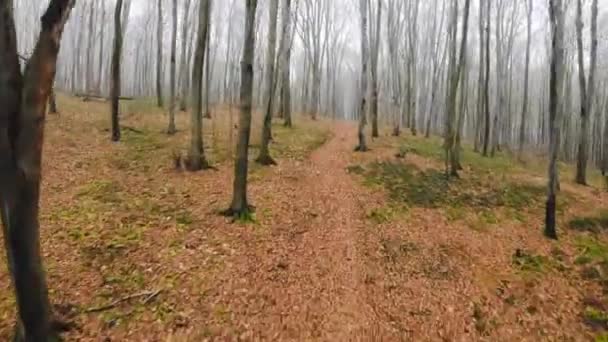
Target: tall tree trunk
159, 56
587, 90
171, 129
480, 87
362, 147
286, 64
556, 12
183, 70
196, 158
239, 206
115, 86
455, 72
374, 56
524, 110
90, 50
264, 157
486, 90
101, 41
23, 101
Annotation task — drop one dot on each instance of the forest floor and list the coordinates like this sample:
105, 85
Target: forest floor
344, 246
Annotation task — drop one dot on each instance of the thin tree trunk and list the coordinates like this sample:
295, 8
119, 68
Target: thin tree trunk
159, 56
196, 159
486, 90
374, 104
556, 12
264, 157
101, 56
587, 90
171, 129
362, 147
286, 64
115, 87
524, 111
240, 206
183, 70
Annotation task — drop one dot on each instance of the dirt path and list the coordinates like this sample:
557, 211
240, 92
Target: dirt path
301, 278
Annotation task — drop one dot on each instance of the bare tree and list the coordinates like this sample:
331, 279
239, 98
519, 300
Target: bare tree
159, 55
587, 90
196, 159
457, 65
115, 85
240, 206
264, 157
285, 56
362, 147
183, 70
486, 88
524, 110
556, 13
171, 129
374, 71
23, 101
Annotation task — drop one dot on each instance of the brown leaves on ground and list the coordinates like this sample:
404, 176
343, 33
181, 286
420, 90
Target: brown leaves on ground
329, 255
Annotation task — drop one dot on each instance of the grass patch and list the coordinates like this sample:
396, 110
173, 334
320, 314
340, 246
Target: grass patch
594, 224
527, 262
382, 215
409, 185
595, 317
104, 191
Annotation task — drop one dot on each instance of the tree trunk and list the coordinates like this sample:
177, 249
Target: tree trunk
183, 70
374, 104
159, 56
362, 147
524, 110
587, 90
101, 56
264, 157
239, 206
115, 87
171, 129
23, 100
486, 90
455, 77
196, 158
286, 64
556, 12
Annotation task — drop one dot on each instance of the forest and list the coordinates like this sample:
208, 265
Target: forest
304, 170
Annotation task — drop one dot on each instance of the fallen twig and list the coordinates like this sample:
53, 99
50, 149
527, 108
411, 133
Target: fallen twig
148, 294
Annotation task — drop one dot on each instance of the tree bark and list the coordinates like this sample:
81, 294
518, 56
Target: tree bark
524, 110
374, 72
240, 206
23, 100
286, 64
362, 147
115, 87
556, 13
486, 90
264, 157
587, 90
183, 104
196, 158
171, 129
159, 56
